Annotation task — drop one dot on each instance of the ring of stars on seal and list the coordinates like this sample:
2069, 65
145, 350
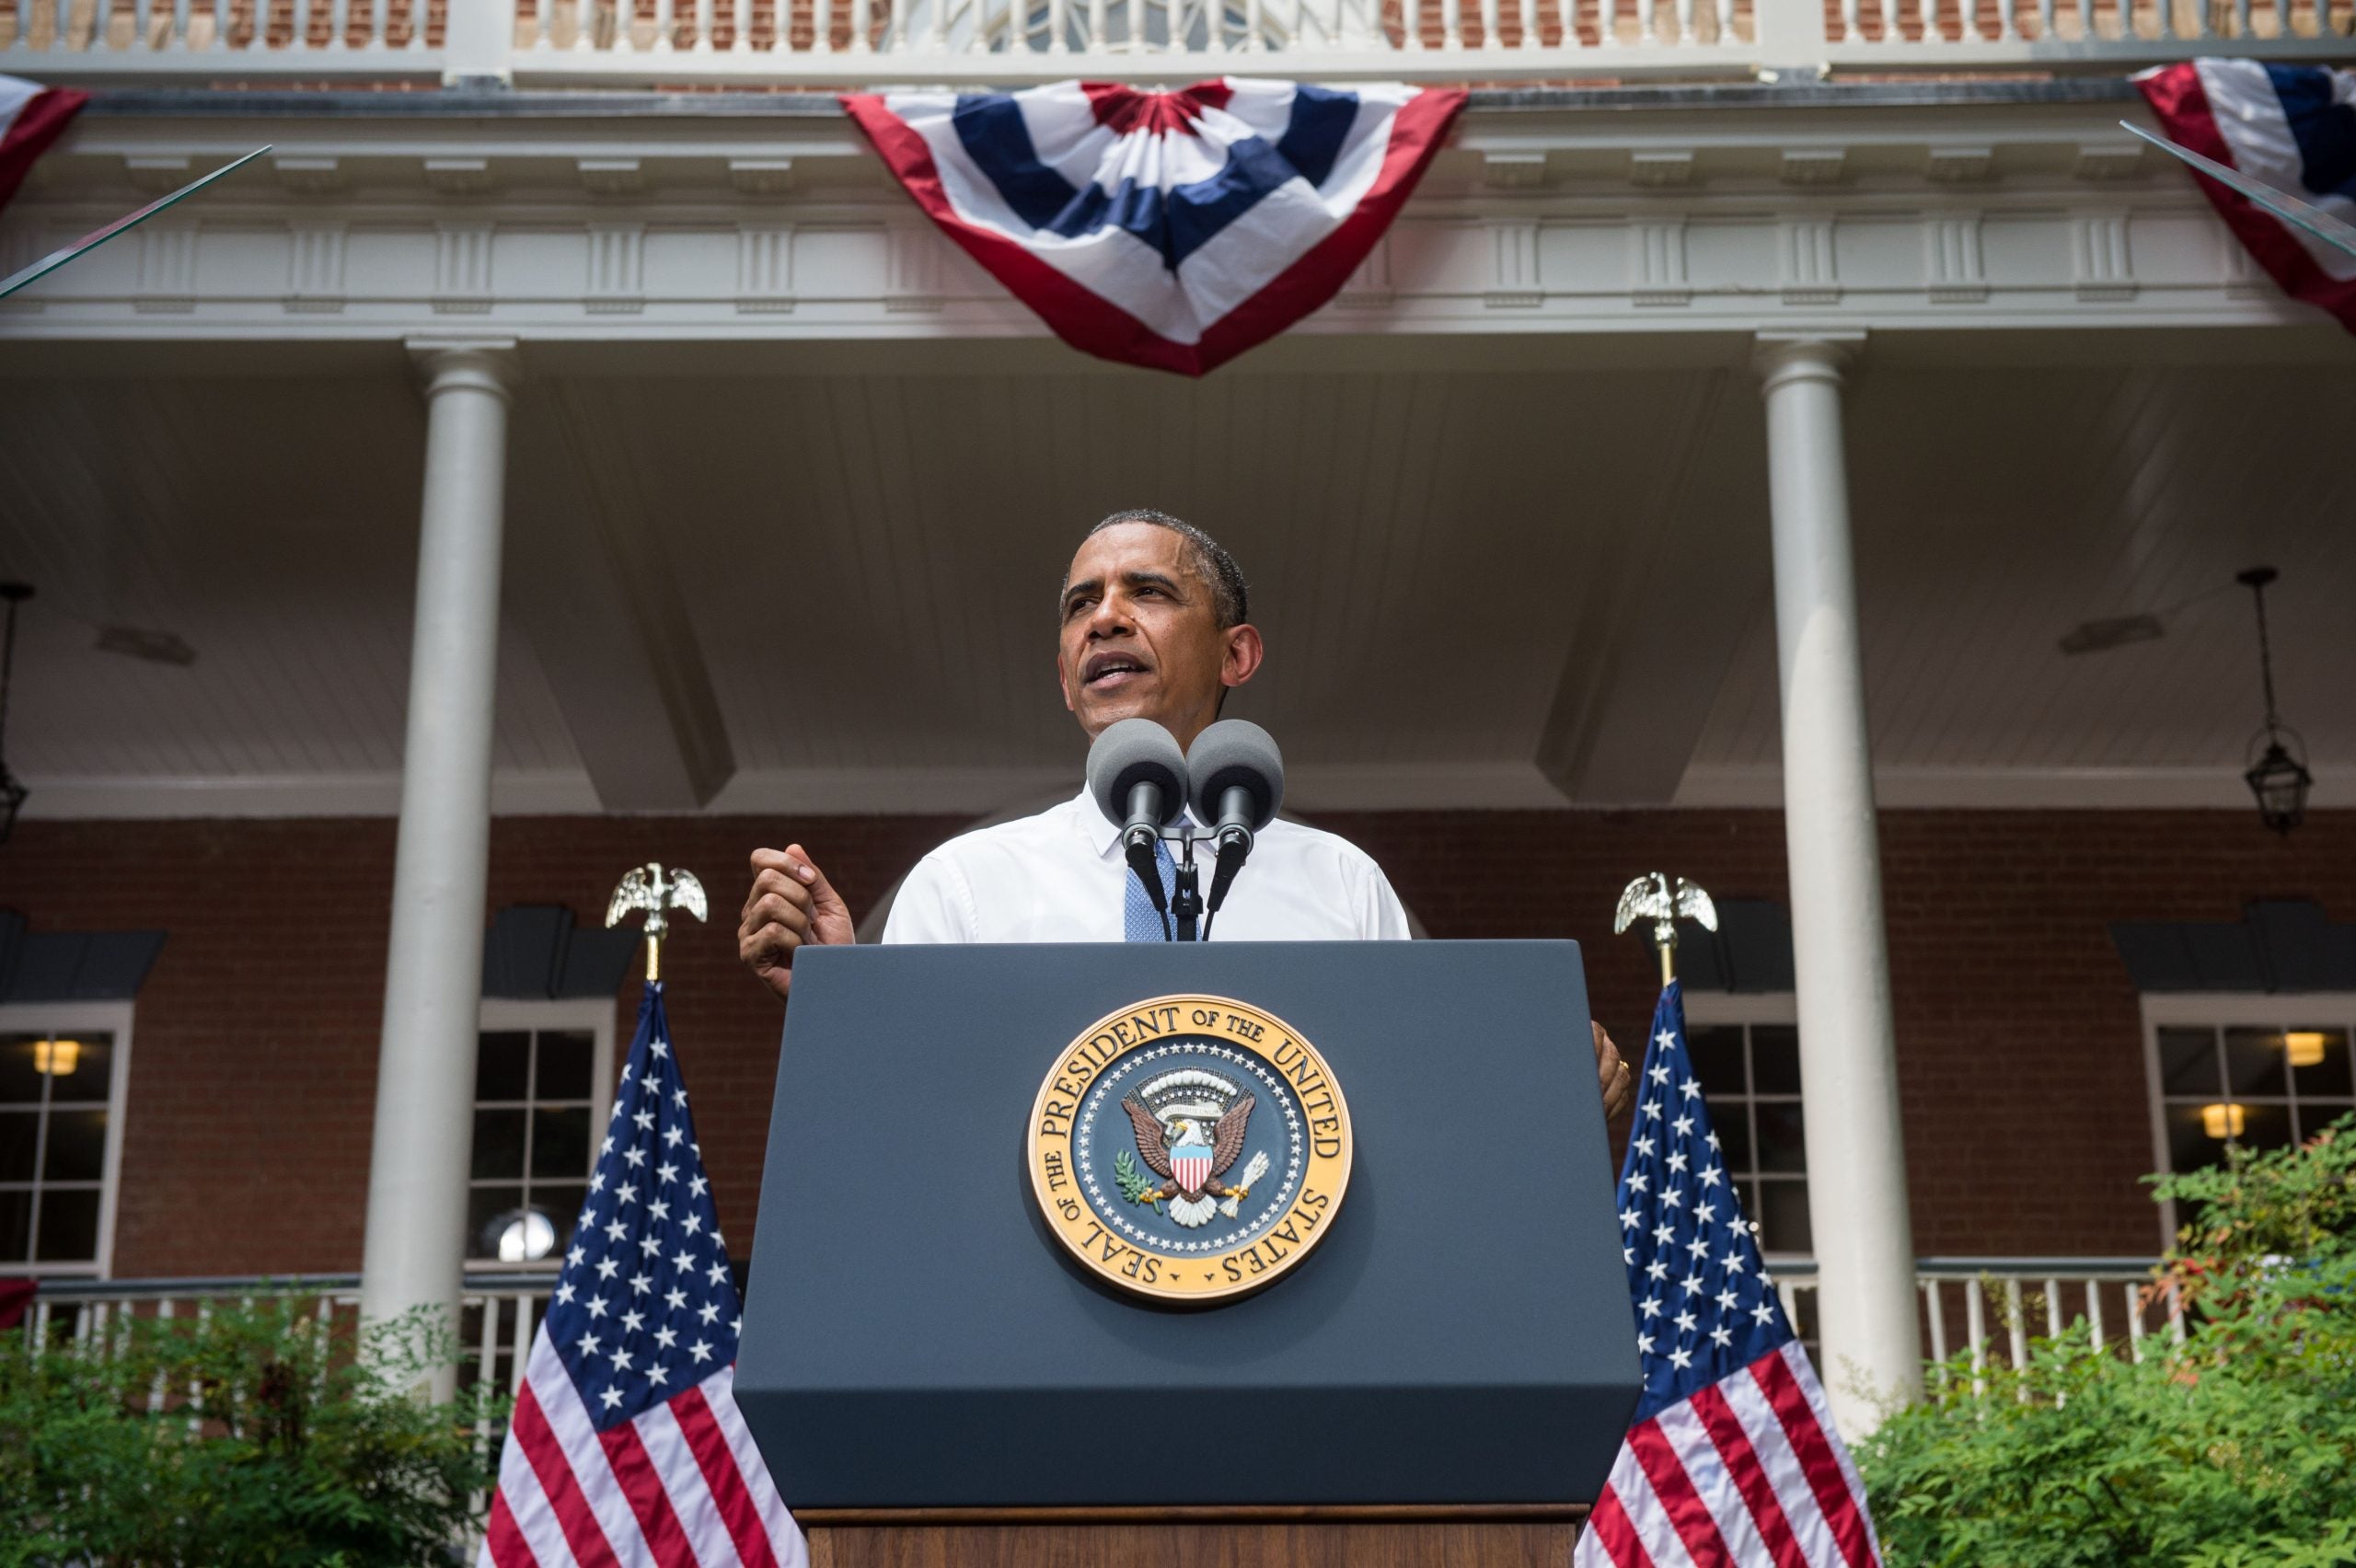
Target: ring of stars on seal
1189, 1149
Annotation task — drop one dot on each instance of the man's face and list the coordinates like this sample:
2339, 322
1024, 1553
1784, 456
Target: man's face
1142, 637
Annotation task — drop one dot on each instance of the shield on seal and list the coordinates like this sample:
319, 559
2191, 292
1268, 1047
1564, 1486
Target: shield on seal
1190, 1163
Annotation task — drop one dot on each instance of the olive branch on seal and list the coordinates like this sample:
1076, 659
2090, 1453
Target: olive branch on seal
1134, 1184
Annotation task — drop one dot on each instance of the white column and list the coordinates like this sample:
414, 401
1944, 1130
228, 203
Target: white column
1856, 1155
425, 1065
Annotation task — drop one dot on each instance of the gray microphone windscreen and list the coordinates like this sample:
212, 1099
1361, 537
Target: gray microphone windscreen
1135, 752
1233, 752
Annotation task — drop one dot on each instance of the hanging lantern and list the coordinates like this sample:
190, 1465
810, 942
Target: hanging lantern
2304, 1047
2277, 775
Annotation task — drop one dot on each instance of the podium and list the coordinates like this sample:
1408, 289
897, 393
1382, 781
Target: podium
941, 1368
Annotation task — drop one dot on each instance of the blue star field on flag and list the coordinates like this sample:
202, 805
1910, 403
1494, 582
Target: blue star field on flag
645, 1305
1706, 1305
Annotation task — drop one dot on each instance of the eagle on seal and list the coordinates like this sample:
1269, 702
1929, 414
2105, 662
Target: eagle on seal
1190, 1158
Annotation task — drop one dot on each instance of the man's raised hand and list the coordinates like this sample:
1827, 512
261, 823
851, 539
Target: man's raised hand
791, 903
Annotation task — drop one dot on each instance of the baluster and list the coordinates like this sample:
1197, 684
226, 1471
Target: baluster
666, 23
1967, 19
2016, 1324
1935, 1309
1526, 21
2044, 20
1340, 25
2176, 1315
822, 27
2241, 19
2134, 1322
486, 1359
1058, 19
2052, 1308
1570, 18
937, 35
179, 23
1725, 22
977, 42
1488, 24
520, 1347
2094, 1311
1849, 22
862, 26
1296, 38
1451, 24
1647, 34
1975, 1325
204, 1306
896, 27
1252, 41
1684, 21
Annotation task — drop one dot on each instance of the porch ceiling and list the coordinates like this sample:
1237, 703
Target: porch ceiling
1477, 585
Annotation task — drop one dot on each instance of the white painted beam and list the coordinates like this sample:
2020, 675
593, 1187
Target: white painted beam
615, 640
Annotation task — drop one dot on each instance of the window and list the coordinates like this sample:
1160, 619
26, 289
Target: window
543, 1078
1747, 1051
2258, 1072
62, 1072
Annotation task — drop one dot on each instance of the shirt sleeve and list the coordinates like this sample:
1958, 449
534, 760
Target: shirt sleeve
1385, 918
933, 906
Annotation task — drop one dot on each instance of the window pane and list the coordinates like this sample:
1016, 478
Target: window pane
1774, 1058
78, 1146
1733, 1127
490, 1210
1780, 1146
2189, 1146
2328, 1077
19, 1137
19, 1084
2254, 1062
2265, 1127
504, 1065
566, 1057
15, 1226
1717, 1058
69, 1228
1782, 1222
81, 1076
2189, 1061
562, 1205
498, 1145
560, 1142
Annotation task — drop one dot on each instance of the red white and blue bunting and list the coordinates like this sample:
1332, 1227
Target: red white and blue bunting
1172, 230
2292, 127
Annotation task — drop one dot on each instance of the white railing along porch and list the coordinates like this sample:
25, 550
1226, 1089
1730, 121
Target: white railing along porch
829, 43
1992, 1306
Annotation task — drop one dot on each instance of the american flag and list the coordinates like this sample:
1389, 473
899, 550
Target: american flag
1733, 1458
626, 1449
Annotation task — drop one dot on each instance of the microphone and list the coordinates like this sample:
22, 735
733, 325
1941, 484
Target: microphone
1137, 777
1236, 776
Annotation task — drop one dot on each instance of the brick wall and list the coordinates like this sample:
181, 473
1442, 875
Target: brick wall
247, 1139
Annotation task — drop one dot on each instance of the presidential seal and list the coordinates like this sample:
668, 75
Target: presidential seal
1189, 1149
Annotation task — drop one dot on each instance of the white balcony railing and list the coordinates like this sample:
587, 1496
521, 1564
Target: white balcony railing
657, 43
1998, 1303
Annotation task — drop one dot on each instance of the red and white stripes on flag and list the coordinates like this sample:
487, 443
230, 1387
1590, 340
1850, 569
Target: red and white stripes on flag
1746, 1470
31, 117
678, 1486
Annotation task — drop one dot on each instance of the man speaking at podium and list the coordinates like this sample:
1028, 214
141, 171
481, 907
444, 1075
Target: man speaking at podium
1155, 625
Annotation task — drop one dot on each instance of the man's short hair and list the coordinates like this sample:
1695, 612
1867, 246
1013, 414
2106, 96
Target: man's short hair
1230, 599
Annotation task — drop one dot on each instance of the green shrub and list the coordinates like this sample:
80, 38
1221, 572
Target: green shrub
2236, 1448
272, 1443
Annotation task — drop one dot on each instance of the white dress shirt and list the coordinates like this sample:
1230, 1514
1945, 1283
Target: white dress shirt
1060, 876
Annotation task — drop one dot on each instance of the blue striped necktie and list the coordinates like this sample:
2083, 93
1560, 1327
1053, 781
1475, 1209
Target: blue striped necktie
1139, 923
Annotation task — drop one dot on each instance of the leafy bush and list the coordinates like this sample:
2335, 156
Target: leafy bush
2234, 1450
251, 1436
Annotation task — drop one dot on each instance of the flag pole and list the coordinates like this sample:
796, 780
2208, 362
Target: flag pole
1653, 897
648, 890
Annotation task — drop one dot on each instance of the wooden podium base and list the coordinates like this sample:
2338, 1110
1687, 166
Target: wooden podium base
1504, 1535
